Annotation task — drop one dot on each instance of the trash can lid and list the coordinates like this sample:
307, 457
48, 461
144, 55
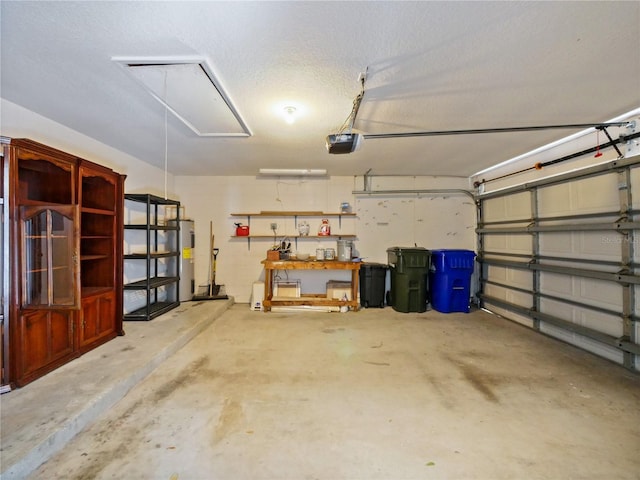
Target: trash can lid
374, 265
407, 249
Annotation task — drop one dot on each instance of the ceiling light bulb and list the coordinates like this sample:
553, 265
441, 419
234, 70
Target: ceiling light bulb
290, 114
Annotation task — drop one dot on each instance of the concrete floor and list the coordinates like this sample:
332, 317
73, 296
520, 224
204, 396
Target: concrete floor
370, 395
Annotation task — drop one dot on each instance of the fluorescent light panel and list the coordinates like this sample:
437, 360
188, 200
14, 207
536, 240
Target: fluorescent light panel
188, 88
294, 172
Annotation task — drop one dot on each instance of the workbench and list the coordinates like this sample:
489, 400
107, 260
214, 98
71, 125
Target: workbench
309, 299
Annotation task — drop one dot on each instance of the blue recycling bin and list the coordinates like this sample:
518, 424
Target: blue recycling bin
450, 280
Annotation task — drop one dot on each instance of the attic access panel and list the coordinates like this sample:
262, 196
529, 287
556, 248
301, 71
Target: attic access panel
191, 92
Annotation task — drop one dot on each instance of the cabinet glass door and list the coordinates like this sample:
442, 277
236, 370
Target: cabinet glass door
50, 257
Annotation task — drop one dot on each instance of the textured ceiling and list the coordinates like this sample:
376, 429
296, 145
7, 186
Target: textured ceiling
431, 66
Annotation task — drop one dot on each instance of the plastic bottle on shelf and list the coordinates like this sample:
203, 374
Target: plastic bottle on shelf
325, 228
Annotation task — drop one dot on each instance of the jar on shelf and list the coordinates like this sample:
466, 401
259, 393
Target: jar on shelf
325, 228
303, 229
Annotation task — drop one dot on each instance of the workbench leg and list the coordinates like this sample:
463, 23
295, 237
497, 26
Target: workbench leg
268, 289
355, 277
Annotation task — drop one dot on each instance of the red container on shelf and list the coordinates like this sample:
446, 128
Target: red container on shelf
242, 230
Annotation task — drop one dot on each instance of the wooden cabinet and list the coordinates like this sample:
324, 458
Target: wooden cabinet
4, 270
65, 245
97, 319
43, 341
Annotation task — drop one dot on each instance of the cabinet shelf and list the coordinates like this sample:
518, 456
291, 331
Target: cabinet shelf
97, 211
84, 258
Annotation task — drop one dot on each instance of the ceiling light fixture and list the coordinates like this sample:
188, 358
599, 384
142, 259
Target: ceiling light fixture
290, 114
293, 172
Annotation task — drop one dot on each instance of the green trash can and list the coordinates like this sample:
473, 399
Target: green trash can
409, 267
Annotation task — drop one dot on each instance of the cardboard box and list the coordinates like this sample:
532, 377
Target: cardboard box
338, 289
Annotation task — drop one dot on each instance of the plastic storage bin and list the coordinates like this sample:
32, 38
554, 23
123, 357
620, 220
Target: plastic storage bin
373, 277
450, 280
409, 269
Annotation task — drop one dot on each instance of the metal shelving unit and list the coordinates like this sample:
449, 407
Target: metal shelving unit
160, 258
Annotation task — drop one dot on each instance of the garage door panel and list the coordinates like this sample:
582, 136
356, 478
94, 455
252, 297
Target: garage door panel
510, 276
635, 187
519, 244
517, 298
597, 321
600, 293
589, 291
581, 245
512, 207
590, 195
496, 243
521, 319
580, 341
556, 284
636, 298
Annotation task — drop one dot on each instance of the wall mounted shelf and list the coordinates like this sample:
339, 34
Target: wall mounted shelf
295, 214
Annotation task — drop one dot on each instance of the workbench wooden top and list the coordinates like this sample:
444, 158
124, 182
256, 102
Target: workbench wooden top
310, 265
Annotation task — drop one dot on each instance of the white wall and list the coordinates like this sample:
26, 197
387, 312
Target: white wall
432, 221
18, 122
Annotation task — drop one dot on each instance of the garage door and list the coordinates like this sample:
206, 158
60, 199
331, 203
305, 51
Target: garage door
562, 256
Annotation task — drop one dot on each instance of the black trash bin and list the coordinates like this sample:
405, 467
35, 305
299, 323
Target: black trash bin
409, 269
372, 282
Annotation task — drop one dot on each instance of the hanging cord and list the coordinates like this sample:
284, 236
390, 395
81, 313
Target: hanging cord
351, 119
166, 136
598, 152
